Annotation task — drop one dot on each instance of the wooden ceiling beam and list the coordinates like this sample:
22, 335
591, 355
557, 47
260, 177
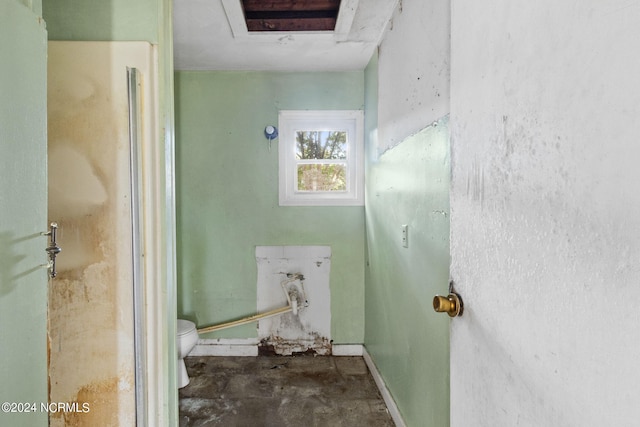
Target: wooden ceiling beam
291, 15
308, 24
289, 5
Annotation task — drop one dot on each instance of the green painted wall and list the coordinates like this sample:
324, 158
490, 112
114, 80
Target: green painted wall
99, 20
227, 195
409, 342
23, 211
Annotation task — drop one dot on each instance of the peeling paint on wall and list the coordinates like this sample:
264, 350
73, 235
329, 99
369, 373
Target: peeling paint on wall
418, 92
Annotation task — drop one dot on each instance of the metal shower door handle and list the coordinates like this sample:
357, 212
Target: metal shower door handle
53, 249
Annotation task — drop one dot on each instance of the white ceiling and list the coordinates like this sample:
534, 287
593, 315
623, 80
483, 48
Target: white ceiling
211, 35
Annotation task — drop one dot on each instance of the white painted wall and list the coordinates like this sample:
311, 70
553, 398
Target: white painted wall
545, 225
413, 71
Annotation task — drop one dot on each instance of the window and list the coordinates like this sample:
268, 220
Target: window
321, 158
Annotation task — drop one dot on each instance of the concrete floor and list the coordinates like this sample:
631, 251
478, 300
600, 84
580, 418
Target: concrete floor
281, 391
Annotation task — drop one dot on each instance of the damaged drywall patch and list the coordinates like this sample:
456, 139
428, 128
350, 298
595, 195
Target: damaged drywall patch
306, 271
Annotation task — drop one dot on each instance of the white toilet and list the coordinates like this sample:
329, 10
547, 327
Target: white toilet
186, 340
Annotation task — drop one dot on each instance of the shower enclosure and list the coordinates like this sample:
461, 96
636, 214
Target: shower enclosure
101, 147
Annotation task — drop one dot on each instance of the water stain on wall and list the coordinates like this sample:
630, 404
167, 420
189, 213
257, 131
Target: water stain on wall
93, 405
90, 301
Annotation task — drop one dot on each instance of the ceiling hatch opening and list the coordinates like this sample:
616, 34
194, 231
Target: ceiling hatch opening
290, 15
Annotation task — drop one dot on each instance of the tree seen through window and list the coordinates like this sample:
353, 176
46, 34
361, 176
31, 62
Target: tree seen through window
323, 155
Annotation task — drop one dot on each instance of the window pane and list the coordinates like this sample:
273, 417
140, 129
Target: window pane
325, 177
314, 144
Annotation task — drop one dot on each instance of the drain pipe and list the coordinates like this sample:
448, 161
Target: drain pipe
292, 294
292, 299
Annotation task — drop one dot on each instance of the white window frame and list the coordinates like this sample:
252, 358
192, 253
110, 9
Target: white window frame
291, 121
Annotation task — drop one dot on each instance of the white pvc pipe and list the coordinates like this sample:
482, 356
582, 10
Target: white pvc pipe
245, 320
292, 299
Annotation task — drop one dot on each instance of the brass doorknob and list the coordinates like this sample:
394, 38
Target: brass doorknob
452, 304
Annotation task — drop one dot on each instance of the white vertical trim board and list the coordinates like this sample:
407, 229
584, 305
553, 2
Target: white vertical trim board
235, 15
384, 391
345, 19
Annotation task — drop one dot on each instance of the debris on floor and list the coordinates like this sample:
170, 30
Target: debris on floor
281, 391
